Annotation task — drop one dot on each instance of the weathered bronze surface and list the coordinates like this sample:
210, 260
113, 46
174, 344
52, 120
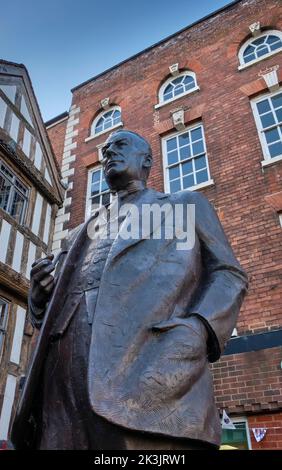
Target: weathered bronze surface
128, 327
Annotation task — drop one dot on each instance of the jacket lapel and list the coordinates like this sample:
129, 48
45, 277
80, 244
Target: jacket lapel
127, 236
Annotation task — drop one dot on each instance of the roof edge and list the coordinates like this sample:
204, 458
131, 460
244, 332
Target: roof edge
210, 15
58, 118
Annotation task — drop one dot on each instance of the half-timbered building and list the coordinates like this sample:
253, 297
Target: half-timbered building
30, 194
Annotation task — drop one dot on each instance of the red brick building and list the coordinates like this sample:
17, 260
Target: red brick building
209, 100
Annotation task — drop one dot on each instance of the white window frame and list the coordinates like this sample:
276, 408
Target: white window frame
162, 102
244, 65
94, 123
268, 160
209, 182
88, 205
3, 328
12, 191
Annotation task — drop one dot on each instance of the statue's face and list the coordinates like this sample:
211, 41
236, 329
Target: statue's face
123, 159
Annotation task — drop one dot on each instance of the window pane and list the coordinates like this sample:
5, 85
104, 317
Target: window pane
275, 149
17, 206
171, 144
172, 157
95, 201
5, 188
188, 181
108, 124
22, 188
116, 114
262, 51
183, 139
185, 152
168, 89
6, 172
95, 188
271, 39
196, 134
267, 120
200, 163
174, 173
277, 100
249, 58
202, 176
104, 185
278, 113
177, 80
187, 168
106, 198
198, 147
249, 50
107, 115
188, 80
96, 176
175, 186
178, 90
98, 129
168, 96
263, 106
272, 136
3, 314
276, 45
258, 41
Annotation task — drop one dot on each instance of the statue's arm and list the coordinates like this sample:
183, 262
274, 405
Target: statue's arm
37, 310
224, 283
38, 299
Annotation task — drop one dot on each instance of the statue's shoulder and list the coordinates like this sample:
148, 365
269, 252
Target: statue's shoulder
188, 197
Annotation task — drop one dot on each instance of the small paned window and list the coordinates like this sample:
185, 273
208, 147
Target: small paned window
256, 49
268, 117
13, 194
98, 190
106, 121
186, 160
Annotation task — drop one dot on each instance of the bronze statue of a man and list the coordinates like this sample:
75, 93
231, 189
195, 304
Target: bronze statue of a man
129, 325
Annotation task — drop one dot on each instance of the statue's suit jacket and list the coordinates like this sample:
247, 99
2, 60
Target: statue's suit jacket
148, 368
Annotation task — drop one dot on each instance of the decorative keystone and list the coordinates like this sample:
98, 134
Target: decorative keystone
105, 103
270, 77
174, 69
178, 119
255, 28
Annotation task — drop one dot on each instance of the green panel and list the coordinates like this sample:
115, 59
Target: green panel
235, 437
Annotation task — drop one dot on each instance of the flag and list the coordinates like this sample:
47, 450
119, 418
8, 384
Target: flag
259, 433
226, 422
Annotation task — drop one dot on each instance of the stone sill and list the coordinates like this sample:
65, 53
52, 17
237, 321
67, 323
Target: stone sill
271, 161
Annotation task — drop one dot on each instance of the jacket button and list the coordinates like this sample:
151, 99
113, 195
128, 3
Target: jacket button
90, 281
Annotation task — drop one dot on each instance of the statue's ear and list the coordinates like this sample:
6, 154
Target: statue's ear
148, 160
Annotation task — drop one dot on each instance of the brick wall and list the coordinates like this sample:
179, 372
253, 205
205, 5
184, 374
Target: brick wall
57, 137
223, 105
247, 383
273, 425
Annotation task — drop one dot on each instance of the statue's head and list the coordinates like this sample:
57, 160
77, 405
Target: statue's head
126, 157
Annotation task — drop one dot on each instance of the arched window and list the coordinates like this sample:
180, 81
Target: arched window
175, 87
256, 49
106, 120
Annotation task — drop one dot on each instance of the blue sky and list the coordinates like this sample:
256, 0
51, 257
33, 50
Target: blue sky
63, 43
